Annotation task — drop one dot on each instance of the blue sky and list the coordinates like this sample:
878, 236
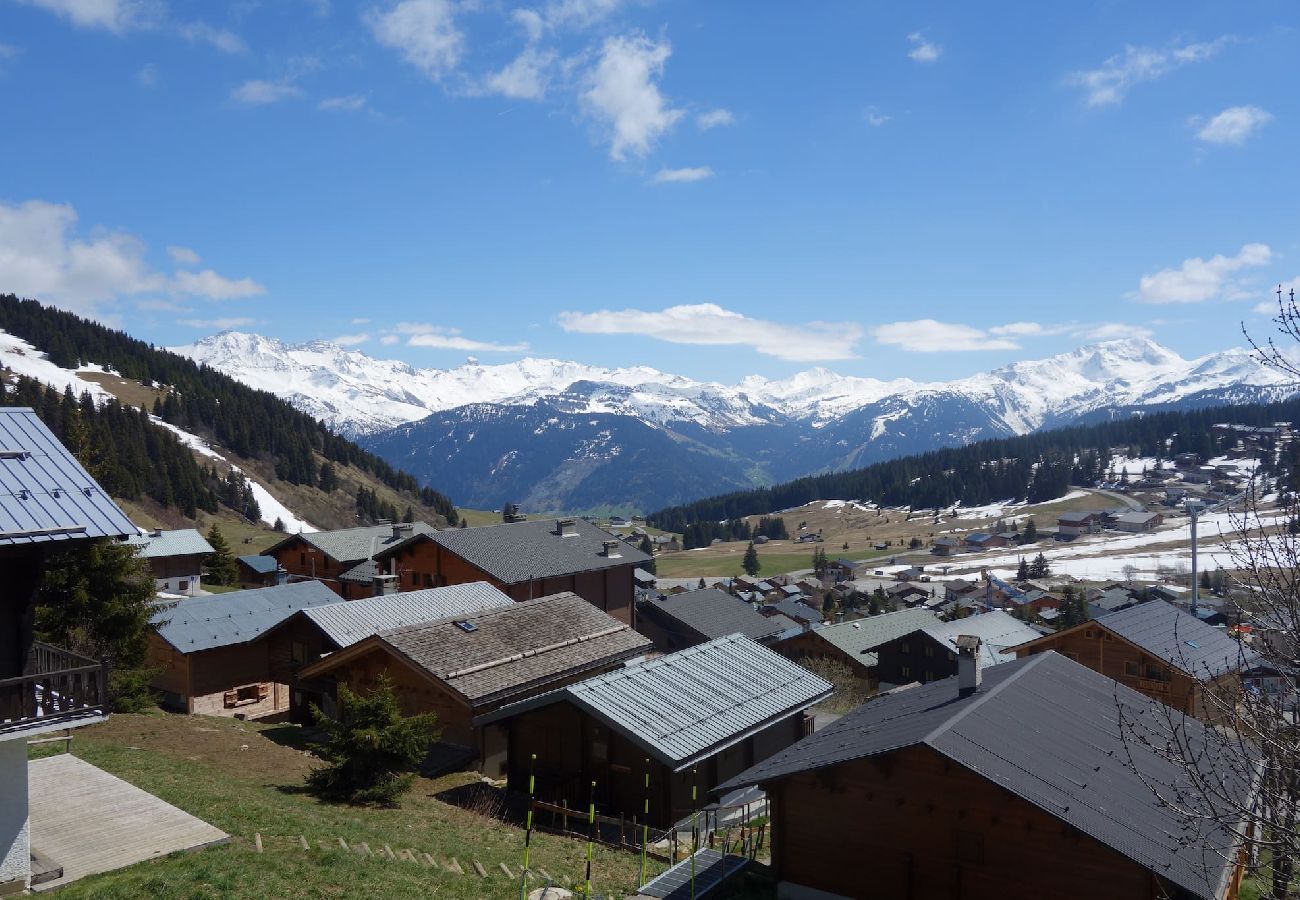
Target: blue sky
921, 189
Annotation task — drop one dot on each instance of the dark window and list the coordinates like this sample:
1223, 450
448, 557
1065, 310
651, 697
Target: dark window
1132, 669
302, 559
428, 580
298, 651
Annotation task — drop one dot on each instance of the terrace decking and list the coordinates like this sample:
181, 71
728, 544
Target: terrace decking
89, 821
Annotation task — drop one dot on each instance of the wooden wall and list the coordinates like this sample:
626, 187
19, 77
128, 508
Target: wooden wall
807, 645
299, 558
913, 824
199, 682
415, 694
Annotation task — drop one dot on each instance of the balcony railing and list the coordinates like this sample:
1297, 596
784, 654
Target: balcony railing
59, 687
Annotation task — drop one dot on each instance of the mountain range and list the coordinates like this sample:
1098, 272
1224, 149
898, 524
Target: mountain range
550, 434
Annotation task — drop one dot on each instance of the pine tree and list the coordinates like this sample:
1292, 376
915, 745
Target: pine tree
648, 548
1040, 567
371, 748
279, 524
701, 585
1022, 571
1031, 532
751, 564
221, 561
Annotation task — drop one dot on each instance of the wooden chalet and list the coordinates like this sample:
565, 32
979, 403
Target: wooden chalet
525, 560
316, 631
469, 666
695, 617
1070, 525
1157, 649
946, 546
259, 571
1137, 521
930, 652
176, 558
698, 716
210, 656
854, 643
343, 560
47, 501
1012, 783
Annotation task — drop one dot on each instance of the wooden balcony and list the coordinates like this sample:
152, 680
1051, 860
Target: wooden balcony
58, 688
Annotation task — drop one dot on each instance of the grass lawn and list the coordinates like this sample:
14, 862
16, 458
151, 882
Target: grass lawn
716, 562
234, 775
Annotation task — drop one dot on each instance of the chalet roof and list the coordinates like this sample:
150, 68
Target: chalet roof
1077, 518
947, 542
861, 636
689, 705
795, 609
1178, 638
517, 552
363, 572
713, 613
1137, 518
960, 586
1114, 599
223, 620
643, 577
182, 542
505, 651
1045, 729
349, 621
904, 587
978, 538
996, 630
45, 494
262, 565
352, 545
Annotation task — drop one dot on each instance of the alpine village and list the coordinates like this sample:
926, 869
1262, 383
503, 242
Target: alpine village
649, 450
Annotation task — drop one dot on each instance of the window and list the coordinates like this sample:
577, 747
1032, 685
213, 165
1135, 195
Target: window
298, 652
905, 672
929, 650
1132, 669
428, 580
302, 559
249, 693
183, 586
929, 676
1157, 673
1090, 634
1068, 655
415, 579
905, 647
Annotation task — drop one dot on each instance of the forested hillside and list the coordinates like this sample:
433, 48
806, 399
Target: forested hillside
1037, 466
138, 458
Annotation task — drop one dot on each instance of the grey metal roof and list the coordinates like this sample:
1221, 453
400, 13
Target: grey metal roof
1047, 730
1077, 518
1136, 518
363, 572
795, 609
222, 620
712, 613
510, 651
517, 552
1114, 599
182, 542
996, 630
45, 494
349, 621
861, 636
351, 545
262, 565
1179, 638
687, 706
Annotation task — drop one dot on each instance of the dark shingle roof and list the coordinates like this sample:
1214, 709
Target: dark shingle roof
795, 609
510, 650
526, 551
1047, 730
691, 704
352, 545
713, 613
222, 620
1179, 638
45, 494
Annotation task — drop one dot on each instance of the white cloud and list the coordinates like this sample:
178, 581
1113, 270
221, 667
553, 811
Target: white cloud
162, 306
680, 176
1109, 331
1019, 329
1232, 126
532, 23
922, 50
42, 256
1270, 307
208, 283
147, 76
714, 118
424, 32
262, 93
116, 16
438, 337
349, 103
708, 323
930, 336
389, 339
579, 13
360, 321
351, 340
874, 117
219, 324
1110, 82
622, 93
203, 33
525, 78
1198, 280
183, 255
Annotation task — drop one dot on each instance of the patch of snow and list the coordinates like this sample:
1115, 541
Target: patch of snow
24, 359
273, 509
193, 441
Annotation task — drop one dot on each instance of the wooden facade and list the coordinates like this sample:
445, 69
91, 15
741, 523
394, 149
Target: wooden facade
425, 564
574, 748
913, 824
222, 681
808, 645
1092, 645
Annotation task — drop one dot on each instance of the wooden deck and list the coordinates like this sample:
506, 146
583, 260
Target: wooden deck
89, 821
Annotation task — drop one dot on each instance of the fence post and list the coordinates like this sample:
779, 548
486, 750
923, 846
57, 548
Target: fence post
591, 836
695, 833
645, 821
528, 827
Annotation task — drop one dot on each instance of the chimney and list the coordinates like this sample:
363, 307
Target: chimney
385, 584
564, 527
610, 548
968, 665
157, 532
402, 529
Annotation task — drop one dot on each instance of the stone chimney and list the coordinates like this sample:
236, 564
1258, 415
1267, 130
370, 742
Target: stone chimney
968, 665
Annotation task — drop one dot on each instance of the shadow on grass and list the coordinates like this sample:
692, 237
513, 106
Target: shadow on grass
293, 736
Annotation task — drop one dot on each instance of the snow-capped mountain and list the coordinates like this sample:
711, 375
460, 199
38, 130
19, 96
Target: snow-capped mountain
537, 431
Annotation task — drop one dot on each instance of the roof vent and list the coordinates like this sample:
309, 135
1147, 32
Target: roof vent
1193, 645
968, 665
564, 528
466, 626
611, 548
402, 529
